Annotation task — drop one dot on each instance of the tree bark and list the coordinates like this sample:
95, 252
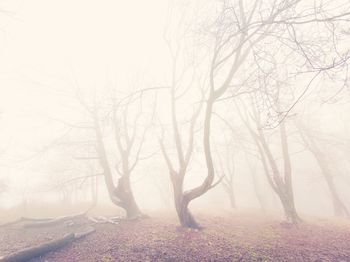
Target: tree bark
289, 208
181, 204
185, 216
127, 200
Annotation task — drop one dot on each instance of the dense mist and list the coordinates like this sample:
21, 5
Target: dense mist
198, 116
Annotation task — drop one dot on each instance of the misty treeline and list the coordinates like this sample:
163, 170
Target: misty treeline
246, 84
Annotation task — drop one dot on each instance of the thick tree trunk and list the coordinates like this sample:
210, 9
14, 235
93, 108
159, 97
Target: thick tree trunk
339, 207
123, 197
181, 205
185, 216
126, 197
289, 207
292, 215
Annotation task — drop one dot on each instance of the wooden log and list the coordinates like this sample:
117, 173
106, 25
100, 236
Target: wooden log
31, 252
11, 222
52, 222
84, 233
101, 220
36, 219
23, 219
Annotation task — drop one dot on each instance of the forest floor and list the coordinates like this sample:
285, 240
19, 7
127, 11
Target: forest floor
228, 237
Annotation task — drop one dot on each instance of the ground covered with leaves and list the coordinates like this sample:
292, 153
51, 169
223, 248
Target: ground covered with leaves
228, 237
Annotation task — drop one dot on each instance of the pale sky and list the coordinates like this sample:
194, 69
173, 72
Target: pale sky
44, 43
99, 40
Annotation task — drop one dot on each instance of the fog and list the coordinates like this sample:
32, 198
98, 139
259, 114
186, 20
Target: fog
190, 107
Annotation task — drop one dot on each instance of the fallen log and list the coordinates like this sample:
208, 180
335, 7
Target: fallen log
32, 252
51, 222
38, 222
84, 233
35, 219
11, 222
22, 219
102, 219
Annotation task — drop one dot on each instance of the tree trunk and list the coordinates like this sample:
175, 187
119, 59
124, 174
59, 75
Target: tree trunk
126, 197
185, 216
260, 199
257, 191
181, 205
339, 207
289, 208
282, 187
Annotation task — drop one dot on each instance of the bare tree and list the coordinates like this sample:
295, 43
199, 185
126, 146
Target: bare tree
185, 64
111, 138
279, 180
177, 174
239, 30
312, 145
120, 194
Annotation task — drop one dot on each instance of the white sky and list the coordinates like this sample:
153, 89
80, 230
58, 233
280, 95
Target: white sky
44, 42
98, 39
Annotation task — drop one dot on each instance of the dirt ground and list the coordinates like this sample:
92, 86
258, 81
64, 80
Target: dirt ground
229, 237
